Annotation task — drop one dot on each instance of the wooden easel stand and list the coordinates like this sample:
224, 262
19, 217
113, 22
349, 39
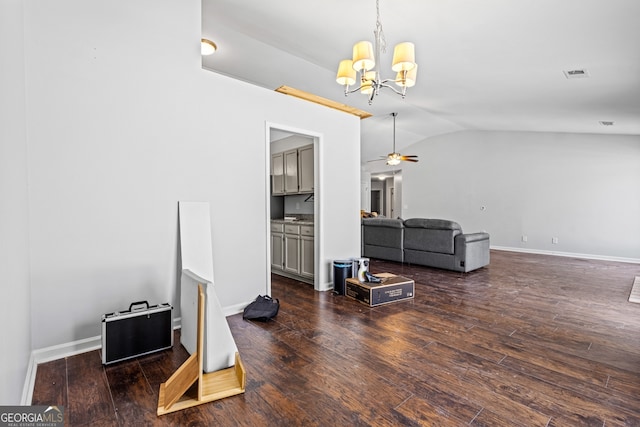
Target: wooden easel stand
177, 392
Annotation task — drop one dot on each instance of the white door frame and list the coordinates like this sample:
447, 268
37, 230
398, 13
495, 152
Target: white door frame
318, 238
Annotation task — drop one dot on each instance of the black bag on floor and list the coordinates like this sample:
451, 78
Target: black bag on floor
262, 308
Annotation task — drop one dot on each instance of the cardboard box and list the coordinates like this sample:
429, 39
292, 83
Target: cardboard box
391, 289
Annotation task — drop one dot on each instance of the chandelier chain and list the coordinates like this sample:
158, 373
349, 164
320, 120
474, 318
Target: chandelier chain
379, 33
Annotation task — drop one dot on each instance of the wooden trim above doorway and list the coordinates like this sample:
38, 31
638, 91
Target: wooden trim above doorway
323, 101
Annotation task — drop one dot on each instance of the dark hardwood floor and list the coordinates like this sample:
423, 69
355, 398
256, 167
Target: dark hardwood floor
531, 340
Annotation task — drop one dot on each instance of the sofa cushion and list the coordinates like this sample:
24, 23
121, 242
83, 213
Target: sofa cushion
431, 235
383, 252
430, 240
383, 222
435, 224
383, 232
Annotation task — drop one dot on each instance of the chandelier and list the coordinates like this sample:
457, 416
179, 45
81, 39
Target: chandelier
366, 60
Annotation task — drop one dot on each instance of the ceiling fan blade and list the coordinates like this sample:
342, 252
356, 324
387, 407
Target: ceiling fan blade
409, 160
410, 155
376, 160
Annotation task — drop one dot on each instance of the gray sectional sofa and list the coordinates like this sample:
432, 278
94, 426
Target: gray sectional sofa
432, 242
382, 238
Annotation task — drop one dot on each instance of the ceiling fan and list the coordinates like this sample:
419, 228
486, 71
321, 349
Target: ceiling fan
394, 158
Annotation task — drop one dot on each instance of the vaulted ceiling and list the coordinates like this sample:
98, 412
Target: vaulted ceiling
483, 64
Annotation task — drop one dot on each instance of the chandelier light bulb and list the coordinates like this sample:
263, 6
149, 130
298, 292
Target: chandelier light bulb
367, 83
363, 56
404, 57
407, 78
346, 74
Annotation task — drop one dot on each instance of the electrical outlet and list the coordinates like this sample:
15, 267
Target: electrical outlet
554, 240
524, 238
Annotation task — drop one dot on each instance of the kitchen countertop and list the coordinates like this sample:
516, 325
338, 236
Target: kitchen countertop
299, 222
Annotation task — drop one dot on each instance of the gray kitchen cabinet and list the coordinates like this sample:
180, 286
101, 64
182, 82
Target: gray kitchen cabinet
277, 174
305, 169
291, 172
277, 246
292, 249
306, 251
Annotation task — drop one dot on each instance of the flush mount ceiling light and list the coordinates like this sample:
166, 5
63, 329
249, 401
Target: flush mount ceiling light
366, 60
207, 47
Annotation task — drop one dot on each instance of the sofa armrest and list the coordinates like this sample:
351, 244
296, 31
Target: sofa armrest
471, 251
471, 237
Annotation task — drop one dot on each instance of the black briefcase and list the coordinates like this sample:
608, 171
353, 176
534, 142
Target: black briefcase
142, 329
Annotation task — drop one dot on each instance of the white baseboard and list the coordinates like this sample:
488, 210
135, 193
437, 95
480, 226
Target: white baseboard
55, 352
326, 287
73, 348
29, 381
234, 309
567, 254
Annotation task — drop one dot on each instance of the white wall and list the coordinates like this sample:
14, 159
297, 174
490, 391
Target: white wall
15, 333
582, 189
289, 143
365, 191
123, 124
397, 185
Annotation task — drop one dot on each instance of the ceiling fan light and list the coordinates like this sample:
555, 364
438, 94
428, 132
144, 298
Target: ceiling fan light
407, 78
346, 74
207, 47
404, 57
394, 159
363, 58
393, 162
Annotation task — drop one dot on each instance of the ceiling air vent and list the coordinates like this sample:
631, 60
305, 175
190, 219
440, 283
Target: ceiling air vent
576, 74
606, 122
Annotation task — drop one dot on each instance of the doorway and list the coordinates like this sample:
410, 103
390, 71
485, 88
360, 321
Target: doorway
376, 202
297, 206
392, 205
386, 193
